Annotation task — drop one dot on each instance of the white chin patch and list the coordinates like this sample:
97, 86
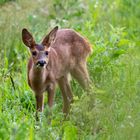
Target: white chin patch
38, 65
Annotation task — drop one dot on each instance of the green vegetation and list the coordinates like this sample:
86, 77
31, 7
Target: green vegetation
4, 1
111, 110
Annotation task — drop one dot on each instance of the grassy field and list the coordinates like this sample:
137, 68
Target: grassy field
111, 109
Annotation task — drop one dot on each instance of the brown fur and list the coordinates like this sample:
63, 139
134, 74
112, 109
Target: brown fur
67, 53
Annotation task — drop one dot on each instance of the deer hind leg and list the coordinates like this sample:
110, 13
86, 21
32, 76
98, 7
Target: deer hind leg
80, 73
66, 93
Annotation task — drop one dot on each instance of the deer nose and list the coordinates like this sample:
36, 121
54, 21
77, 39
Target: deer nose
41, 63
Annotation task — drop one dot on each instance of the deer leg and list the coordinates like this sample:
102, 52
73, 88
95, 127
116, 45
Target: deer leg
80, 73
68, 90
39, 104
66, 93
51, 93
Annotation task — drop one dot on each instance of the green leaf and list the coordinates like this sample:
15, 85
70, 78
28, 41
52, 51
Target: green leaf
70, 132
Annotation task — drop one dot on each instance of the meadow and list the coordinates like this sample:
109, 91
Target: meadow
110, 110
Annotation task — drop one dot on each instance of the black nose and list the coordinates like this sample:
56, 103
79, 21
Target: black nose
41, 63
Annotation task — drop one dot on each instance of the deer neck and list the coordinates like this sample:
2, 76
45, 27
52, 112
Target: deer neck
53, 62
38, 75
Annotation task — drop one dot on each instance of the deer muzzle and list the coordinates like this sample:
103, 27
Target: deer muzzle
41, 63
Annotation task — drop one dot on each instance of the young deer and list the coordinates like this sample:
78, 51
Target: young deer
61, 52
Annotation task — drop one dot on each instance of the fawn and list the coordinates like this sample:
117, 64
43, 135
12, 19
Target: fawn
61, 52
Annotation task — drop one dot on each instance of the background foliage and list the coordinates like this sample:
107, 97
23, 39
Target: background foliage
111, 109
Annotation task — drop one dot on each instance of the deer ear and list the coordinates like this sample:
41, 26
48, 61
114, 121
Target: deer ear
27, 38
50, 37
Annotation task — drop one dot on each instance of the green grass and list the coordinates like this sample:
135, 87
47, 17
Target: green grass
111, 109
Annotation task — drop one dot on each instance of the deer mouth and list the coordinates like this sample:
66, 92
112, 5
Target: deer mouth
41, 64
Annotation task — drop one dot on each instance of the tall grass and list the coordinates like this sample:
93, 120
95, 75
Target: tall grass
111, 109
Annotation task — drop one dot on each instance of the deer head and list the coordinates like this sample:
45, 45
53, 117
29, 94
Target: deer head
39, 52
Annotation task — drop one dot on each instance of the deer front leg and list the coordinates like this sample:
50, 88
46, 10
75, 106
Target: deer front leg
39, 104
51, 93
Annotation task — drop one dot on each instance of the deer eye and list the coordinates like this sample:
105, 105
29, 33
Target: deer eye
34, 53
46, 52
